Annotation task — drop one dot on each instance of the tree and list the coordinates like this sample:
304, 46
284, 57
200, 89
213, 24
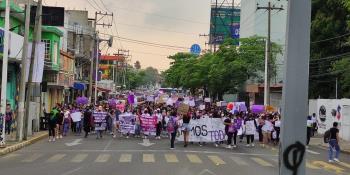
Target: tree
227, 70
341, 70
330, 19
137, 65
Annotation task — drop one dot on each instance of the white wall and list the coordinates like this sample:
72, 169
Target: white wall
332, 114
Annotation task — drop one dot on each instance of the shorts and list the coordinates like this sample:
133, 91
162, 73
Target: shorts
185, 127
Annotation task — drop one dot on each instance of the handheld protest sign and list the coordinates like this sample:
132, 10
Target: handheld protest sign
183, 109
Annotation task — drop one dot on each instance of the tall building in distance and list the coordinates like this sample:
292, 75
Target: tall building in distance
224, 22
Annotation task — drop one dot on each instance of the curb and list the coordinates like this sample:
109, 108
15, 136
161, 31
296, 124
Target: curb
326, 148
23, 144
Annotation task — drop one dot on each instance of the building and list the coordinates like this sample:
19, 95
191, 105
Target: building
254, 22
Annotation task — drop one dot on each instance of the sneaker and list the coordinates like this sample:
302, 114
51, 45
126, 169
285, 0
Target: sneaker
216, 145
114, 136
235, 146
61, 137
49, 140
336, 160
253, 145
172, 148
330, 161
127, 137
57, 137
229, 147
248, 145
53, 139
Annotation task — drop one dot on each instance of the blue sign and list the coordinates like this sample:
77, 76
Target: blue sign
235, 31
196, 49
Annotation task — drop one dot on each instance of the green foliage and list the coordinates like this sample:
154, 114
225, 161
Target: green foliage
342, 69
330, 18
227, 70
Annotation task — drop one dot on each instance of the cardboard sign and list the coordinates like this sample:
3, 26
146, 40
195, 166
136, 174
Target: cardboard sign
183, 109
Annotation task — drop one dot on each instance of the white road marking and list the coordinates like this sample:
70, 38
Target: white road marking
312, 152
217, 160
148, 158
124, 158
102, 158
261, 162
56, 158
79, 158
194, 158
32, 158
72, 171
171, 158
239, 161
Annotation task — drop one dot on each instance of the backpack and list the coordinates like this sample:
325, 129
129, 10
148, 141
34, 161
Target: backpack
327, 136
171, 125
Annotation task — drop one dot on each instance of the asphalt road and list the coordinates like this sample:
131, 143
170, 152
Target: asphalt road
75, 155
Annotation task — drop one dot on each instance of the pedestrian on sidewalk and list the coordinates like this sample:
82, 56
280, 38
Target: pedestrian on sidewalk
334, 143
309, 124
8, 119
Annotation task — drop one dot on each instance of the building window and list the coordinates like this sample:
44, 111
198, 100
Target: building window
47, 49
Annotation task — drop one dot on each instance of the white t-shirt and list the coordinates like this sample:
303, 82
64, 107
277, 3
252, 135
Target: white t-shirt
309, 123
66, 114
267, 126
278, 123
159, 118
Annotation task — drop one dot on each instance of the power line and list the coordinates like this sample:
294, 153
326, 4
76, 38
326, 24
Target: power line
329, 57
92, 5
150, 43
329, 39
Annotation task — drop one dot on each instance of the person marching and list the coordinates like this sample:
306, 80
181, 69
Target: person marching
172, 126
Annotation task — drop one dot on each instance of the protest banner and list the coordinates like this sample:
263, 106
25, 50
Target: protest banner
127, 123
183, 109
205, 130
76, 116
148, 124
100, 120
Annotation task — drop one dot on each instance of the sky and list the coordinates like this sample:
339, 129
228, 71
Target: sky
169, 22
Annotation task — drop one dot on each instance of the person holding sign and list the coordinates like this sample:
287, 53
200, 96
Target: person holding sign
229, 130
100, 121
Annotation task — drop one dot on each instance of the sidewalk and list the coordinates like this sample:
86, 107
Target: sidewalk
318, 141
12, 145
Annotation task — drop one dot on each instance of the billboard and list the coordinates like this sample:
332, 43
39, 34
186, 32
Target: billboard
51, 16
224, 23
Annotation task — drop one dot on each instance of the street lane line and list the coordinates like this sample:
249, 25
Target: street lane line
239, 161
125, 158
102, 158
193, 158
261, 162
217, 160
171, 158
32, 158
10, 156
56, 158
79, 158
311, 166
312, 152
344, 164
148, 158
328, 166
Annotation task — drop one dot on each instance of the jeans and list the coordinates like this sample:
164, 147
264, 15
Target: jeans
250, 139
308, 135
8, 127
78, 127
137, 129
172, 139
229, 138
333, 145
52, 131
65, 128
98, 134
159, 128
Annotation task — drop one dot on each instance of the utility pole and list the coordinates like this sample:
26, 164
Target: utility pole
295, 89
4, 70
336, 88
36, 40
95, 52
269, 8
22, 90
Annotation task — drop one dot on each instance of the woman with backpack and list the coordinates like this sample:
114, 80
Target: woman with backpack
172, 126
